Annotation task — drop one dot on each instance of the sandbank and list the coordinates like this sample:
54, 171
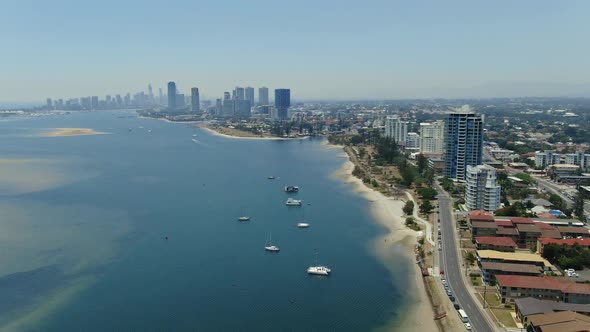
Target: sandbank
59, 132
419, 315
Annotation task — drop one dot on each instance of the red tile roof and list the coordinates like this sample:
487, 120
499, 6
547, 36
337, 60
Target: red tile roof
543, 225
529, 282
521, 220
496, 241
481, 215
504, 223
585, 242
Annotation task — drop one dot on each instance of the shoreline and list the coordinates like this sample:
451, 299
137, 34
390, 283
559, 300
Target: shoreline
263, 138
67, 132
387, 212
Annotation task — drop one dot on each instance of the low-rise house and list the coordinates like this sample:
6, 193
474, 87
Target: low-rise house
482, 228
514, 257
495, 243
542, 242
528, 234
489, 270
512, 287
573, 232
564, 321
528, 306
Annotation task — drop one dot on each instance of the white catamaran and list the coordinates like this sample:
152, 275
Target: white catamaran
318, 269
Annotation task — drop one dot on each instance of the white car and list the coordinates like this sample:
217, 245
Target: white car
444, 281
468, 326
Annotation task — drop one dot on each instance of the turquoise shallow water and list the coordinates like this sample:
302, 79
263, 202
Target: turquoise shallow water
87, 217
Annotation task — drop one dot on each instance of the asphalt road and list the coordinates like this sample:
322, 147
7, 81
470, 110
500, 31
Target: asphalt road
452, 268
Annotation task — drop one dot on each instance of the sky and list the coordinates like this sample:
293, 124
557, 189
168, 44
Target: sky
319, 49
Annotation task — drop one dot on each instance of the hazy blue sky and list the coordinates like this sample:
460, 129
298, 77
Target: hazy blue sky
319, 49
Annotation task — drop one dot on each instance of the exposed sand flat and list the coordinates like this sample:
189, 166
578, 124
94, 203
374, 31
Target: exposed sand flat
58, 132
388, 213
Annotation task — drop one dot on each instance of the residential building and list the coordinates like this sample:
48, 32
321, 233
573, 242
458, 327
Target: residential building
515, 258
512, 287
564, 321
505, 244
573, 232
463, 143
180, 101
282, 103
397, 129
195, 101
263, 96
543, 241
413, 141
482, 191
239, 93
482, 228
489, 270
432, 137
249, 95
529, 306
171, 95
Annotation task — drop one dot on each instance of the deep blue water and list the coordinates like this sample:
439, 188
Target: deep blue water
115, 197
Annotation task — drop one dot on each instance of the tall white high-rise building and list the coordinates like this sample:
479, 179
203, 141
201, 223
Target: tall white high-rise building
397, 129
482, 191
463, 143
432, 137
263, 96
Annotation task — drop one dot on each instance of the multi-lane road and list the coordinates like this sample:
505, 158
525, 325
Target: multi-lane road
450, 263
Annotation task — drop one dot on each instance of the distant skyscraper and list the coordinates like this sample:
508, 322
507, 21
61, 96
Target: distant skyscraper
463, 143
218, 106
396, 129
118, 101
250, 95
195, 102
482, 191
94, 103
171, 95
226, 96
239, 93
263, 96
150, 93
49, 104
180, 101
160, 97
282, 103
432, 137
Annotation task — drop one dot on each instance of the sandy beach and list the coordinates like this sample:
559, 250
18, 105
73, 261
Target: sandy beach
253, 137
388, 213
59, 132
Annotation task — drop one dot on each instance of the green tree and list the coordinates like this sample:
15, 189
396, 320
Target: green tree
426, 207
427, 193
409, 208
422, 163
470, 258
578, 208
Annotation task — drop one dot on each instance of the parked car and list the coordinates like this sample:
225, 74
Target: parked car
468, 326
456, 306
452, 298
444, 281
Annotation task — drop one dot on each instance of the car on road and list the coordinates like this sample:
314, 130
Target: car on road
444, 281
452, 298
468, 326
449, 293
456, 306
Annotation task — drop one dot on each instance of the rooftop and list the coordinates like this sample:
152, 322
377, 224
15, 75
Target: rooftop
563, 321
541, 201
506, 231
521, 220
585, 242
573, 230
551, 233
511, 267
481, 215
483, 224
517, 281
512, 256
504, 223
497, 241
531, 306
528, 228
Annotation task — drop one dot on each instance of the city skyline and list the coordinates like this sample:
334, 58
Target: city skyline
384, 50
